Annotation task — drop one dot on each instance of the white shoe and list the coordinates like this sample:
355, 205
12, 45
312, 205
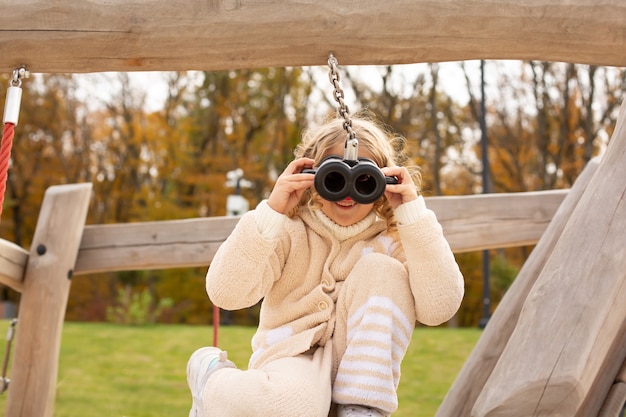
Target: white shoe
202, 364
358, 411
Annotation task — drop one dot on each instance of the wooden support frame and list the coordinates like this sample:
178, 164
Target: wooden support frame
91, 36
478, 367
44, 300
569, 339
572, 359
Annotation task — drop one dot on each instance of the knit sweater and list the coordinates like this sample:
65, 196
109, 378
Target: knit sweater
297, 265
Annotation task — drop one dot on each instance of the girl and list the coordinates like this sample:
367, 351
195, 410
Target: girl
342, 286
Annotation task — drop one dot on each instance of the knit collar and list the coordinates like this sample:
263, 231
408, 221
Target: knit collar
345, 232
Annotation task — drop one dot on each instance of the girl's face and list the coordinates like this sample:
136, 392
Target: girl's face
346, 212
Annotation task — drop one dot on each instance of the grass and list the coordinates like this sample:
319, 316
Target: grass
108, 370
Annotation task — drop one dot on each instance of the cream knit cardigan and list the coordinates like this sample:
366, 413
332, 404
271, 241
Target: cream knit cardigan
296, 266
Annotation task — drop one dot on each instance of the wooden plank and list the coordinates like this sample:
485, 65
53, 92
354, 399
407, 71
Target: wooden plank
13, 260
491, 221
478, 367
144, 35
44, 300
469, 222
570, 339
152, 245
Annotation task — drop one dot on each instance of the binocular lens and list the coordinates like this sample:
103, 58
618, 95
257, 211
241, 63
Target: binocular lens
334, 182
365, 184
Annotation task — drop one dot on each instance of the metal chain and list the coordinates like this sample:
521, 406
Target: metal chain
333, 76
4, 381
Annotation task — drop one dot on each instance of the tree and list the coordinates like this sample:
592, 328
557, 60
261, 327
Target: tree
547, 124
249, 119
412, 104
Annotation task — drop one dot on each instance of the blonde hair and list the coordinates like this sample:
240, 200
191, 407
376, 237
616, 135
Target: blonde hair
386, 149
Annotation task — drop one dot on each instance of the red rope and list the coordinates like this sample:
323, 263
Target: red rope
5, 157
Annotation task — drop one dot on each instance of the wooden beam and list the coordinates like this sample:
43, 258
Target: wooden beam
493, 221
570, 339
78, 36
12, 264
152, 245
44, 300
478, 367
470, 223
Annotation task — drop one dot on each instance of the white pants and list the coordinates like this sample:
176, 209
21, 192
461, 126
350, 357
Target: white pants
287, 387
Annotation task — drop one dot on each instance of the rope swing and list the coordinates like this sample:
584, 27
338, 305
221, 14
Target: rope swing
11, 114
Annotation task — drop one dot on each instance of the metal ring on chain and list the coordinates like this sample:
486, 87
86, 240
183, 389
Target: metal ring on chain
18, 75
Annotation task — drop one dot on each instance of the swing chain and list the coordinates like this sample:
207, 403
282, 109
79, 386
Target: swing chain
333, 76
4, 381
18, 75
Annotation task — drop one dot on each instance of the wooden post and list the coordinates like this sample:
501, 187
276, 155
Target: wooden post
478, 367
44, 299
568, 345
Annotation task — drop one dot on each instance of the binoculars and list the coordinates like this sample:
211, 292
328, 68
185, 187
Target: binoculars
360, 179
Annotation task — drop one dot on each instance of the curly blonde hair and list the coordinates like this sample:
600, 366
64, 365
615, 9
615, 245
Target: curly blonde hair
386, 148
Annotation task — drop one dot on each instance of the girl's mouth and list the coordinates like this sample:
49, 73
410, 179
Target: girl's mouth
348, 202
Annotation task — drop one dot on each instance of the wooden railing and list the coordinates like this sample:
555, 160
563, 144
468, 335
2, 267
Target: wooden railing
470, 223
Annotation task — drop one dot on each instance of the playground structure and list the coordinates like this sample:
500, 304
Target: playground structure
556, 345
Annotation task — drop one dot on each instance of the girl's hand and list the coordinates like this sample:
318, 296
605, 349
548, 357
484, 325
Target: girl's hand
402, 192
290, 186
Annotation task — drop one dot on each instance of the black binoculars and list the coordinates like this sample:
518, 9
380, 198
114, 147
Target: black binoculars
360, 179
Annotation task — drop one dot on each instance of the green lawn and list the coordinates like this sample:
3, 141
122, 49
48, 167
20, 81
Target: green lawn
109, 370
